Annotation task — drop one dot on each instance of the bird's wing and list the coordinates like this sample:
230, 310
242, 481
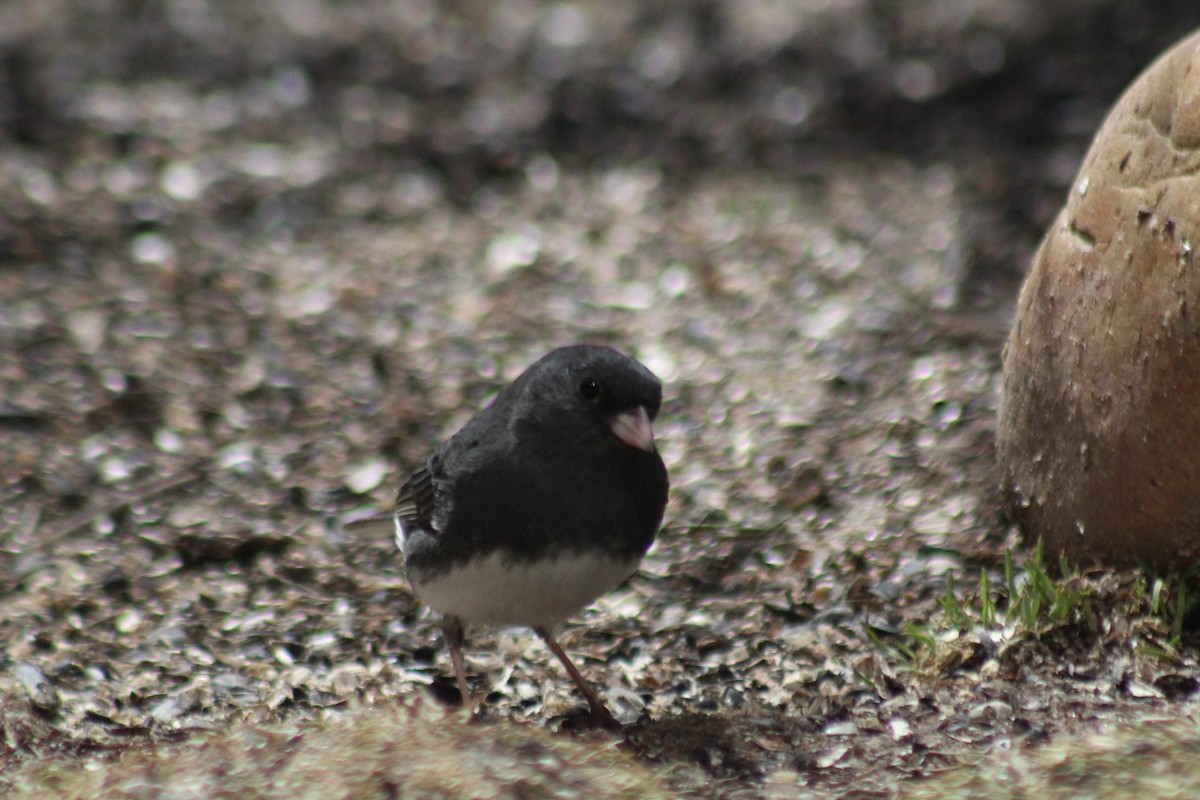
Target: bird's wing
416, 502
416, 508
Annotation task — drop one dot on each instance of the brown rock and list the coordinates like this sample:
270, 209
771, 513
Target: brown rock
1099, 420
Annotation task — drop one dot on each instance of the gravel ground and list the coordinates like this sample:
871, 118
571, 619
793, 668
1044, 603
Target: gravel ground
257, 259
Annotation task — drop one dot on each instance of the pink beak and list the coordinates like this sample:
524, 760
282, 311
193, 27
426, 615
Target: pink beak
634, 429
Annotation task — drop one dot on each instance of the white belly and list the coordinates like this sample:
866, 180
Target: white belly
493, 590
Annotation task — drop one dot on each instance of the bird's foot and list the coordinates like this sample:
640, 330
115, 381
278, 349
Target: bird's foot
592, 720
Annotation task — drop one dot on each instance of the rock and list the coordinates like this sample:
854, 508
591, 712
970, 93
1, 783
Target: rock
1098, 434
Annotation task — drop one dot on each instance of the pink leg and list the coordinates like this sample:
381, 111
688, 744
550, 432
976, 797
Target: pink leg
452, 630
600, 713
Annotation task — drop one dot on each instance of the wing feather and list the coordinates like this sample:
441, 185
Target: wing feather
416, 502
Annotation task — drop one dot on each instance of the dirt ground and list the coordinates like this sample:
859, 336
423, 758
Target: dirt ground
257, 259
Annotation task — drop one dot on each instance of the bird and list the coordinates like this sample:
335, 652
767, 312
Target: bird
545, 500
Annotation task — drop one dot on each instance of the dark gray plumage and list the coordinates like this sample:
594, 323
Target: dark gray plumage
546, 499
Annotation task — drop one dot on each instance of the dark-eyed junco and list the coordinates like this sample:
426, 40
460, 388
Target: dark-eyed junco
545, 500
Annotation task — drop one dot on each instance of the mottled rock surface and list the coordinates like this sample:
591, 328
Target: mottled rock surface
1099, 419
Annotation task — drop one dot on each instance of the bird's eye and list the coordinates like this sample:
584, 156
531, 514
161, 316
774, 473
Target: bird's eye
589, 388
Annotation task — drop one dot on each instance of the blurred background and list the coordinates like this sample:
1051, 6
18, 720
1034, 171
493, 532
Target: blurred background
256, 259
